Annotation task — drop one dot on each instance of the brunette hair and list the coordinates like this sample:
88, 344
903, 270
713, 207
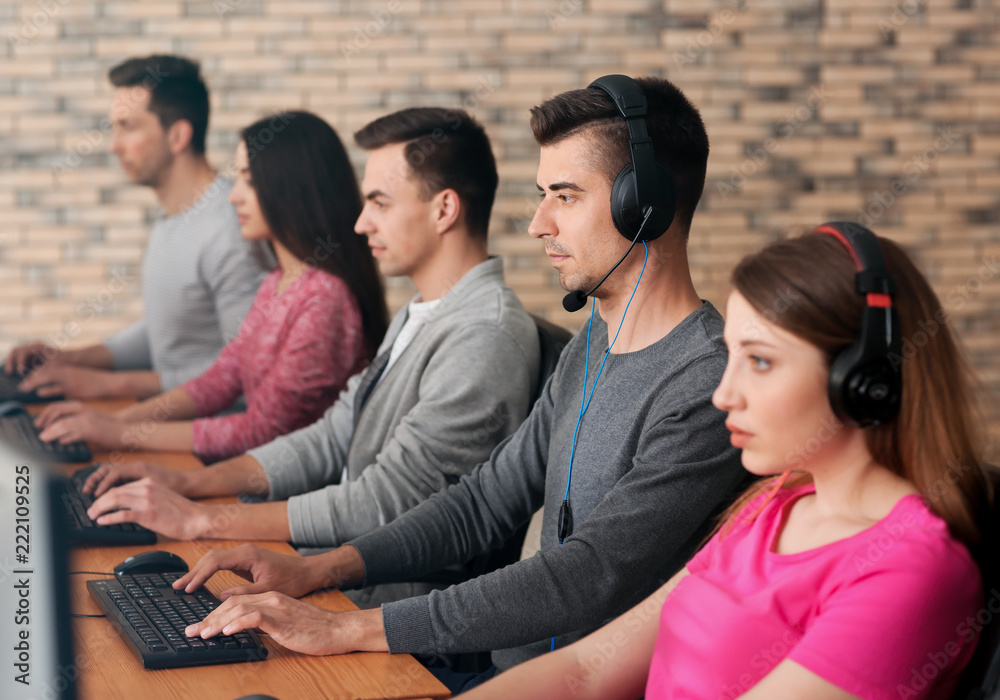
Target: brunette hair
674, 125
936, 442
309, 196
176, 91
445, 149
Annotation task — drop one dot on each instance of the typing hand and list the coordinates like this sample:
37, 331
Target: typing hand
108, 475
24, 357
266, 570
153, 506
69, 421
75, 382
296, 625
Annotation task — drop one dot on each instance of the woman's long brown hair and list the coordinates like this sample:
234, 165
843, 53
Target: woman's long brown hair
806, 286
309, 196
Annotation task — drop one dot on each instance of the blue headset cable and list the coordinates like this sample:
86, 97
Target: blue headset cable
565, 522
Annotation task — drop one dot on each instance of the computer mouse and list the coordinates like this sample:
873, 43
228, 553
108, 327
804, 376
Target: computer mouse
9, 408
153, 562
257, 696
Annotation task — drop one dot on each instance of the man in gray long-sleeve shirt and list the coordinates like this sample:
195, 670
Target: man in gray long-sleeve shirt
651, 460
199, 276
455, 375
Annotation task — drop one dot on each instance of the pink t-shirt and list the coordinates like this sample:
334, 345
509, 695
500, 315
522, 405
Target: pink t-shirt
887, 613
292, 357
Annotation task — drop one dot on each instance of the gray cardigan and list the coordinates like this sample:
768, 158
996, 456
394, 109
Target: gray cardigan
653, 460
463, 384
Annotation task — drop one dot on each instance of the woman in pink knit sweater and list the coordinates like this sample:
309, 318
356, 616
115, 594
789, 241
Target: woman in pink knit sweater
317, 318
846, 573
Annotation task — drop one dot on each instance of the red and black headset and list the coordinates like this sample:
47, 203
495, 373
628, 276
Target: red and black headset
865, 384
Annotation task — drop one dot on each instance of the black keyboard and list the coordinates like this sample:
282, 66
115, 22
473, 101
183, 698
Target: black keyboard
83, 530
151, 616
18, 427
10, 392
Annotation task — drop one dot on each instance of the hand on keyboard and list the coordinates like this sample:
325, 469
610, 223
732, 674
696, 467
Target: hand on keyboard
153, 506
296, 625
17, 426
266, 570
26, 357
84, 530
70, 421
107, 476
74, 382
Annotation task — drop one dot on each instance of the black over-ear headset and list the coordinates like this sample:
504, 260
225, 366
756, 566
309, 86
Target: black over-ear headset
643, 196
865, 385
645, 183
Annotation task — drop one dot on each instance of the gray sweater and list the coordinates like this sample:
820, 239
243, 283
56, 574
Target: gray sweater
199, 278
653, 460
463, 384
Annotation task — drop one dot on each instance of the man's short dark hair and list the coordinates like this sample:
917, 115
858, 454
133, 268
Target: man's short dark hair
445, 149
176, 91
674, 124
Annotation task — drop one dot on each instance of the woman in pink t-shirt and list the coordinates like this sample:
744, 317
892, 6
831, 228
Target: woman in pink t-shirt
316, 320
848, 574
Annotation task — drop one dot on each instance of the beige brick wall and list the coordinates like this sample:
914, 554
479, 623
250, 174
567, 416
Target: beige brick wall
816, 111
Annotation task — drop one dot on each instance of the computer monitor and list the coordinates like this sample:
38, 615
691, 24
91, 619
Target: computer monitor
36, 652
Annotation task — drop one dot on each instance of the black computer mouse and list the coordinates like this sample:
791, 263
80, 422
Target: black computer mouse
9, 408
256, 696
153, 562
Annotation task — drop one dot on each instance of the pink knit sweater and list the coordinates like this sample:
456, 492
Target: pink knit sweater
292, 357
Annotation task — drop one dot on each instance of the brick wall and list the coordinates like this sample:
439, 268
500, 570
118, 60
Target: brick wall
887, 113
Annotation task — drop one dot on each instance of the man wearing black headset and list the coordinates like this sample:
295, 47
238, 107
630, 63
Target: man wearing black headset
624, 448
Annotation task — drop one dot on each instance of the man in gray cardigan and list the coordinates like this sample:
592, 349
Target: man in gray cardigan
650, 455
455, 375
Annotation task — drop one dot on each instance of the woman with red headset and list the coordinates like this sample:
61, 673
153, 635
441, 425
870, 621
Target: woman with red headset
846, 571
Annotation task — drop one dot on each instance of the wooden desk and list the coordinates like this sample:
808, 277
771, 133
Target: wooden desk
107, 668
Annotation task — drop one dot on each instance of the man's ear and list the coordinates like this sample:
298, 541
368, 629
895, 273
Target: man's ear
179, 136
446, 210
